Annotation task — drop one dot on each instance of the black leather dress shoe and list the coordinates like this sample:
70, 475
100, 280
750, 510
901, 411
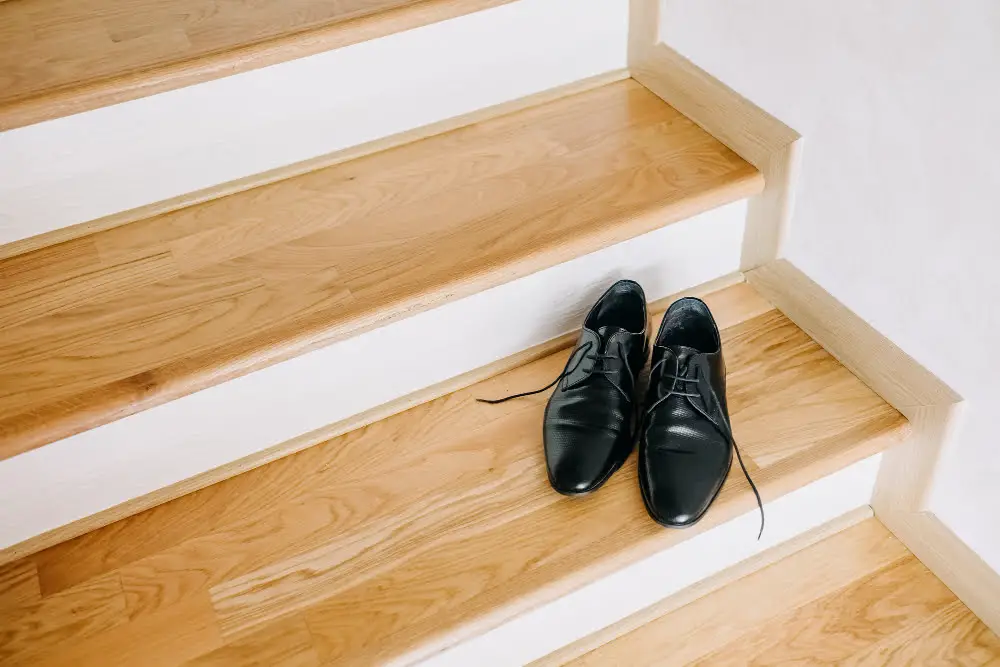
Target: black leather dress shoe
686, 447
590, 420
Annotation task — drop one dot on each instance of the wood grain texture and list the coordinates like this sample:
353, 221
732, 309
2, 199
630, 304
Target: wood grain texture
950, 559
770, 212
278, 270
760, 138
19, 585
734, 120
650, 615
285, 644
77, 560
643, 29
176, 635
865, 611
58, 238
59, 57
92, 608
896, 376
856, 598
952, 636
932, 407
434, 524
737, 305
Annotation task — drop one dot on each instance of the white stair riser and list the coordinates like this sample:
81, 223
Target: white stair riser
617, 596
98, 469
90, 165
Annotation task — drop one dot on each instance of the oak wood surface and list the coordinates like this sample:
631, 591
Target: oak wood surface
739, 304
73, 232
702, 588
60, 57
428, 526
856, 598
133, 316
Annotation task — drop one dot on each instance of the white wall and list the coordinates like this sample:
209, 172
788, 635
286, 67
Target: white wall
897, 215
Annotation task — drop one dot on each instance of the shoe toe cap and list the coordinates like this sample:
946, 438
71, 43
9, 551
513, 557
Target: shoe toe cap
574, 476
678, 490
672, 510
579, 460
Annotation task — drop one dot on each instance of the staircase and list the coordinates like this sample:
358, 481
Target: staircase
237, 401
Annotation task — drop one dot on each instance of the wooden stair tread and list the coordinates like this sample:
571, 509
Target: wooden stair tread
106, 325
59, 57
432, 524
859, 598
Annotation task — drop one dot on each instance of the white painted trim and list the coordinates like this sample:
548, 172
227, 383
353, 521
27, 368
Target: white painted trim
599, 604
90, 165
99, 469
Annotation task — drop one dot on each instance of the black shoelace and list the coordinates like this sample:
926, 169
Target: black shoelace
596, 358
723, 427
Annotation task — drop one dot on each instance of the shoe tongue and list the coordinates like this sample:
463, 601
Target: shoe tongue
606, 332
683, 353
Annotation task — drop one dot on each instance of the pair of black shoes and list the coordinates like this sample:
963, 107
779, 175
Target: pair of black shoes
682, 424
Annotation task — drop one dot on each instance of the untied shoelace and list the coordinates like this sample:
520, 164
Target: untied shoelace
723, 427
585, 348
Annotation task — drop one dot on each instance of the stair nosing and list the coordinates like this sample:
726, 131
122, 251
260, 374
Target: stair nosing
156, 384
70, 99
538, 569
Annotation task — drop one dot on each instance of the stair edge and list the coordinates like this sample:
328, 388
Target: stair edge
159, 385
139, 504
770, 490
69, 233
69, 100
773, 483
655, 547
703, 588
